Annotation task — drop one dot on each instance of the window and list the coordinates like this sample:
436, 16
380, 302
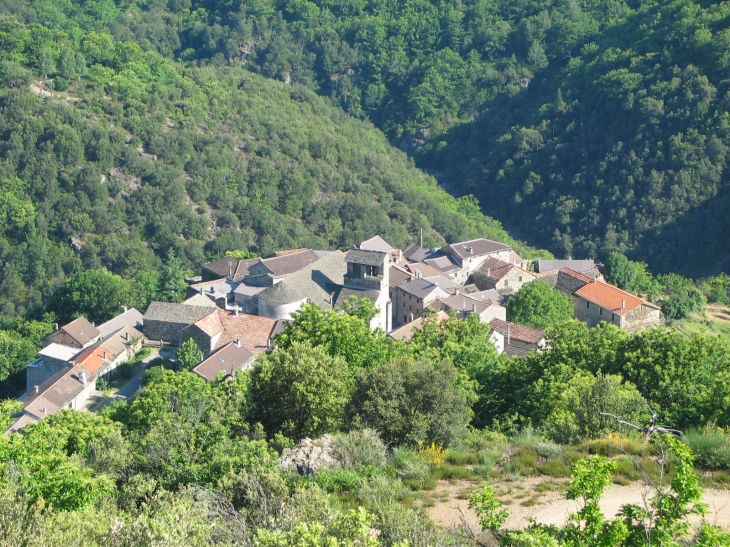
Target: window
418, 300
600, 311
613, 317
373, 271
520, 279
404, 304
506, 282
410, 308
356, 269
405, 319
588, 305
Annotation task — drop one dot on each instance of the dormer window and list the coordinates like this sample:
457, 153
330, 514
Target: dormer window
373, 271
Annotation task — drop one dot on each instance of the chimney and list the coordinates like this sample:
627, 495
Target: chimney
55, 326
237, 343
235, 311
35, 389
419, 275
123, 309
457, 292
489, 272
623, 304
474, 308
509, 333
82, 377
44, 410
104, 355
93, 324
410, 317
126, 336
230, 269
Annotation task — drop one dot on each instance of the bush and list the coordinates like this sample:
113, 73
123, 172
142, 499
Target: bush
408, 466
338, 479
380, 491
125, 371
102, 384
358, 448
549, 449
711, 447
524, 461
554, 468
602, 447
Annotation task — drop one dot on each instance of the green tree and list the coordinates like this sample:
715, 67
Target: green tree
682, 301
537, 305
409, 401
188, 355
620, 271
95, 294
300, 391
173, 287
16, 352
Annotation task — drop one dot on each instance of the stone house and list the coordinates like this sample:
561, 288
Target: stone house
502, 276
164, 320
568, 281
228, 268
79, 334
270, 271
464, 305
227, 360
206, 332
413, 297
507, 334
51, 359
598, 301
468, 255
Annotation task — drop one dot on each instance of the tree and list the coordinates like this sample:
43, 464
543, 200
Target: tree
682, 301
300, 391
172, 280
409, 401
16, 352
620, 271
537, 305
188, 355
95, 294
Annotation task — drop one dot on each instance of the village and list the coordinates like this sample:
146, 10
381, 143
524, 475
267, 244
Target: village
236, 308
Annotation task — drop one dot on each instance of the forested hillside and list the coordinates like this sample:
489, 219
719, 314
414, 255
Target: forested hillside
134, 159
588, 127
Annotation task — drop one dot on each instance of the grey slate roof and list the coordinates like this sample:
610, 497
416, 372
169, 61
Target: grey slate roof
177, 313
80, 330
447, 285
316, 282
420, 288
369, 258
223, 267
344, 293
477, 247
398, 276
575, 265
464, 303
416, 253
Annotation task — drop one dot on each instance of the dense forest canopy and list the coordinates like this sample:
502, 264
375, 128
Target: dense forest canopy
603, 123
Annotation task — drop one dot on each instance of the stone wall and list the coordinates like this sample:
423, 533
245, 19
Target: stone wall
642, 317
166, 331
592, 314
509, 284
41, 370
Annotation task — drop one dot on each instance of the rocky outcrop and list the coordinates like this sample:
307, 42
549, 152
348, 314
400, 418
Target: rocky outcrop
309, 456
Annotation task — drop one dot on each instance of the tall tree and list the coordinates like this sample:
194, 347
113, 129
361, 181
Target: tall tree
539, 306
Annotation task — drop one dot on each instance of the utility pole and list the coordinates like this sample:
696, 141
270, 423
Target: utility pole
45, 91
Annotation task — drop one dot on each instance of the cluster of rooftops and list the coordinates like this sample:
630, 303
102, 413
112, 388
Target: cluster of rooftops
236, 308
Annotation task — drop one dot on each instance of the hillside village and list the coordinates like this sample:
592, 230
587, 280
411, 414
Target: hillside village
236, 308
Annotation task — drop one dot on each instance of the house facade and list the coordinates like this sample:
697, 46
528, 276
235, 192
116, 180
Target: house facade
600, 302
502, 276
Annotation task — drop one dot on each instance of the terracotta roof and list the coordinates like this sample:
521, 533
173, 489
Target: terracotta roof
609, 297
477, 247
405, 333
435, 304
517, 331
376, 243
288, 263
398, 276
227, 359
254, 331
92, 359
226, 266
210, 324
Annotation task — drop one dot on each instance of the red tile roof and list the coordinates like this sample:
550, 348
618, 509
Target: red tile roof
253, 331
94, 358
494, 268
405, 333
609, 297
517, 331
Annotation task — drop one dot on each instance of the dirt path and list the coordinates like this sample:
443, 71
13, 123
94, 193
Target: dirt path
551, 507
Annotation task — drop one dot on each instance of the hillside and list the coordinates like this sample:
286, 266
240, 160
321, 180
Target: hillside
133, 158
603, 123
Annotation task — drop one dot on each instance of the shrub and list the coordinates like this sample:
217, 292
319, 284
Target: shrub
358, 448
381, 491
125, 371
526, 437
338, 479
711, 447
524, 461
554, 468
432, 454
408, 466
463, 458
102, 384
549, 449
602, 447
